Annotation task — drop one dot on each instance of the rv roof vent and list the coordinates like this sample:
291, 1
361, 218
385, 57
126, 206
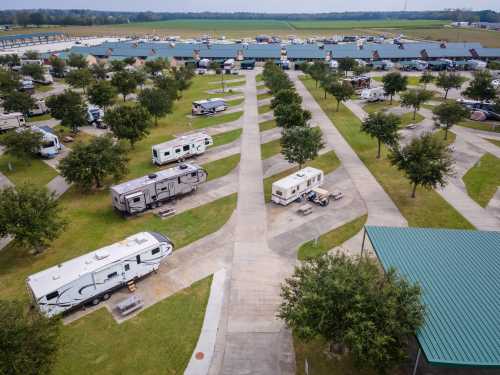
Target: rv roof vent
101, 254
183, 166
300, 174
152, 176
56, 277
140, 240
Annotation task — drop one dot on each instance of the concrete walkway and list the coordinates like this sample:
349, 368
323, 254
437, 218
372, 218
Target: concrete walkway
381, 209
256, 342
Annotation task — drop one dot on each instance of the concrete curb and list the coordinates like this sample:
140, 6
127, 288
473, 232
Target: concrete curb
208, 335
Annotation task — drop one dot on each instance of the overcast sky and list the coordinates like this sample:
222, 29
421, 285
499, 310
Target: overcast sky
287, 6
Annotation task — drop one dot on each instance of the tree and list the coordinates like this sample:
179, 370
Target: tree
327, 81
168, 85
17, 101
29, 340
31, 55
350, 303
285, 97
8, 81
426, 161
414, 99
448, 114
156, 102
31, 215
102, 94
69, 108
360, 69
317, 71
384, 127
33, 70
98, 71
129, 60
79, 78
23, 144
341, 91
291, 115
300, 144
117, 65
128, 122
347, 64
89, 163
76, 61
58, 65
426, 78
481, 88
393, 83
448, 81
139, 77
183, 76
155, 66
124, 82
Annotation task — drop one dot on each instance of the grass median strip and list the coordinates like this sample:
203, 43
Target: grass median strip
496, 142
264, 109
428, 209
406, 118
484, 126
483, 180
33, 172
267, 125
227, 137
221, 167
270, 149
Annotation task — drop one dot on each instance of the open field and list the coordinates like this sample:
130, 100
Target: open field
487, 38
483, 180
160, 340
366, 24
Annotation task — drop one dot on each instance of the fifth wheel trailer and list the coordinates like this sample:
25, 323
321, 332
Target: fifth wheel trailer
294, 186
92, 277
142, 193
181, 148
11, 120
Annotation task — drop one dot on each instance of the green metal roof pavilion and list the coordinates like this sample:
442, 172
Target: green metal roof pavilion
459, 273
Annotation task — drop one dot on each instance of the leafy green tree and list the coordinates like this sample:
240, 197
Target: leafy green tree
347, 64
129, 122
31, 215
33, 70
17, 101
156, 102
481, 88
327, 82
58, 65
79, 78
124, 82
317, 71
415, 99
285, 97
300, 144
69, 108
393, 83
448, 81
351, 304
129, 60
384, 127
168, 85
291, 115
426, 161
448, 114
117, 65
9, 81
155, 66
102, 94
31, 55
88, 164
139, 77
183, 76
23, 145
77, 60
98, 71
29, 341
359, 69
426, 78
341, 91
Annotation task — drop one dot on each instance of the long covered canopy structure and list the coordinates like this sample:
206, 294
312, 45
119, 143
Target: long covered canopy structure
459, 273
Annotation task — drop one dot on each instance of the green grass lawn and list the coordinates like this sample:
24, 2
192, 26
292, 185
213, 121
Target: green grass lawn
264, 96
412, 80
406, 118
428, 209
221, 167
44, 117
259, 78
496, 142
42, 88
267, 125
483, 180
235, 102
331, 239
484, 126
372, 24
227, 137
36, 172
327, 162
270, 149
63, 131
264, 109
160, 340
93, 223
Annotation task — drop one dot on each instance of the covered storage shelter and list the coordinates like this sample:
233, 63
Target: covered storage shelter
459, 273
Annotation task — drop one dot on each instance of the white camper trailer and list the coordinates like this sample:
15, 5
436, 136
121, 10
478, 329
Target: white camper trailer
46, 79
333, 64
39, 109
292, 187
477, 64
94, 115
209, 106
150, 191
50, 142
374, 94
92, 277
181, 148
11, 120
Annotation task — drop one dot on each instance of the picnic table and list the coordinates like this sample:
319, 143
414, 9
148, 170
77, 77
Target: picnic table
129, 305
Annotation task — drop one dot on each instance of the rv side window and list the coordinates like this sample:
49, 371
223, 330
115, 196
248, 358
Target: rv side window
293, 191
166, 153
193, 174
278, 192
207, 142
127, 267
155, 154
111, 275
52, 295
155, 251
138, 259
137, 199
186, 148
309, 182
177, 150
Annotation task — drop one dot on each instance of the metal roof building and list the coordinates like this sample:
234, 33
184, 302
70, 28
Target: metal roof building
16, 40
459, 273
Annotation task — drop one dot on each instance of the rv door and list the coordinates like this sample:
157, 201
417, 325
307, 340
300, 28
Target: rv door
135, 202
165, 189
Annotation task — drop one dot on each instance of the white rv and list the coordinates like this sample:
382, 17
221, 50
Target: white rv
228, 65
477, 64
40, 108
181, 148
293, 187
209, 106
94, 114
11, 120
333, 64
142, 193
47, 79
374, 94
93, 277
50, 142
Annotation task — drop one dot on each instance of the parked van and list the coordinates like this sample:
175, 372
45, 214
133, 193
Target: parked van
293, 187
209, 106
374, 94
50, 142
181, 148
11, 120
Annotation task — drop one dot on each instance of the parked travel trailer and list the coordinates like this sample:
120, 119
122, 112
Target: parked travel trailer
46, 79
359, 82
150, 191
94, 115
50, 142
383, 65
39, 109
26, 84
93, 277
418, 65
228, 66
374, 94
209, 106
11, 120
476, 64
181, 148
293, 187
31, 62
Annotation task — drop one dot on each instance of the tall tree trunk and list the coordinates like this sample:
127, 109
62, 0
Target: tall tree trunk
446, 93
414, 190
97, 181
338, 105
379, 147
325, 95
124, 97
414, 113
156, 120
391, 99
446, 133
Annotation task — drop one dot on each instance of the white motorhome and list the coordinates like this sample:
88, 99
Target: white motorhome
374, 94
209, 106
93, 277
293, 187
181, 148
39, 109
11, 120
50, 142
333, 64
477, 64
94, 114
228, 65
47, 79
142, 193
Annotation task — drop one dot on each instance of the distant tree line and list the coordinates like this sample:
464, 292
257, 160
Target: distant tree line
87, 17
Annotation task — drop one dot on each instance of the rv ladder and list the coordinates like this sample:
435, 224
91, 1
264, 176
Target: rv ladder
131, 286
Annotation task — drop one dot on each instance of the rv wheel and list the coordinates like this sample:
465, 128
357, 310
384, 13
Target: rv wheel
95, 301
106, 296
